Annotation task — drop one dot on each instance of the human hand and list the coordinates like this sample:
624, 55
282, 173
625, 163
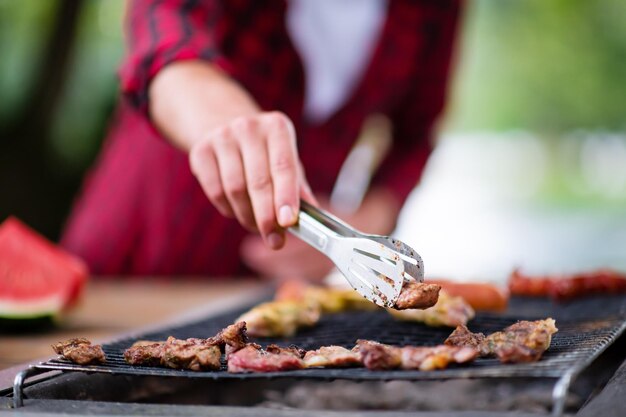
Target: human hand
250, 170
377, 214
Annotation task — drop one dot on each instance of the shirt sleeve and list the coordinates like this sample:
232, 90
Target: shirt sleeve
159, 32
415, 117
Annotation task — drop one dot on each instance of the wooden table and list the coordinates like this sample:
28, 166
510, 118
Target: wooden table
110, 308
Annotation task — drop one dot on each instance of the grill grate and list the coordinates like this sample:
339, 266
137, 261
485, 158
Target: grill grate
585, 329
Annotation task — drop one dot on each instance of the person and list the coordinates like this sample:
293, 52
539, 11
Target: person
233, 111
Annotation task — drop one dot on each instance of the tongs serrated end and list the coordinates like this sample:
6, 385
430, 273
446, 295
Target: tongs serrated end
375, 266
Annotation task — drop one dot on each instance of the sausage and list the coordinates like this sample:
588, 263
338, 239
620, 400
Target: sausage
481, 296
566, 287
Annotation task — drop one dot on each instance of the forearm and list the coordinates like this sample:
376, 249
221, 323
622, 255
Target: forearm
188, 99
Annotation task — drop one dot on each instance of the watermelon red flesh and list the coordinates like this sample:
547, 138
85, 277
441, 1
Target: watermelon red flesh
36, 277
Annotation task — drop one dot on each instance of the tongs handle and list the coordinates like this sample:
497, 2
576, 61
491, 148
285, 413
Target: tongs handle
319, 229
328, 220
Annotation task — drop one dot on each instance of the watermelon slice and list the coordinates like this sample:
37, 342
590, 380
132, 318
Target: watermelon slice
37, 279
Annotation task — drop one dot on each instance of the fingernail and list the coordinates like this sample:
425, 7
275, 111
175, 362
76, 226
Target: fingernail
285, 216
274, 240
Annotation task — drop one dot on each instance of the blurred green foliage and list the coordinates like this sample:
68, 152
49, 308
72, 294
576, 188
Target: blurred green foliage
91, 90
90, 87
545, 66
58, 89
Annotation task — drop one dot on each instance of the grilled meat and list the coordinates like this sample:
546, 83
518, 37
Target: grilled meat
330, 300
566, 287
436, 357
333, 300
331, 357
194, 354
461, 336
448, 311
254, 359
377, 356
290, 350
145, 353
524, 341
416, 294
233, 337
80, 351
280, 318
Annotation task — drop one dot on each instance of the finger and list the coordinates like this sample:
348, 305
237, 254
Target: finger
233, 179
203, 165
283, 162
253, 148
305, 189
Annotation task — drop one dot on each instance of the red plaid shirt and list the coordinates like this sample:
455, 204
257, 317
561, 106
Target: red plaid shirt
141, 210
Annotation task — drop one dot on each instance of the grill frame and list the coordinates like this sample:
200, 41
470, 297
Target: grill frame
586, 329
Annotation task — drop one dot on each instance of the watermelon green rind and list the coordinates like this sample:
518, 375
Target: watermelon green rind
37, 279
51, 305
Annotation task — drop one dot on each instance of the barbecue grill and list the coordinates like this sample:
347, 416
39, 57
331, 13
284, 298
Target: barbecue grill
586, 329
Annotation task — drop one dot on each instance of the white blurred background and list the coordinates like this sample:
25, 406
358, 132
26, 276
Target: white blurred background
491, 202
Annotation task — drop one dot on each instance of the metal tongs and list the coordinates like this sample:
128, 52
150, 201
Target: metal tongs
375, 266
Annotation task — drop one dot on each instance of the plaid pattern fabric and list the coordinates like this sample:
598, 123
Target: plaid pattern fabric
141, 212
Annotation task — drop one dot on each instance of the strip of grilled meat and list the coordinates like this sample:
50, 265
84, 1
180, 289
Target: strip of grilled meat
194, 354
461, 336
448, 311
416, 294
280, 318
232, 338
524, 341
275, 358
144, 353
332, 357
377, 356
80, 351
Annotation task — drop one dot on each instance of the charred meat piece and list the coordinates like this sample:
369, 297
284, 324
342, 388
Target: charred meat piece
448, 311
332, 357
254, 359
416, 294
435, 357
377, 356
280, 318
290, 350
145, 353
80, 351
233, 337
461, 336
192, 354
524, 341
